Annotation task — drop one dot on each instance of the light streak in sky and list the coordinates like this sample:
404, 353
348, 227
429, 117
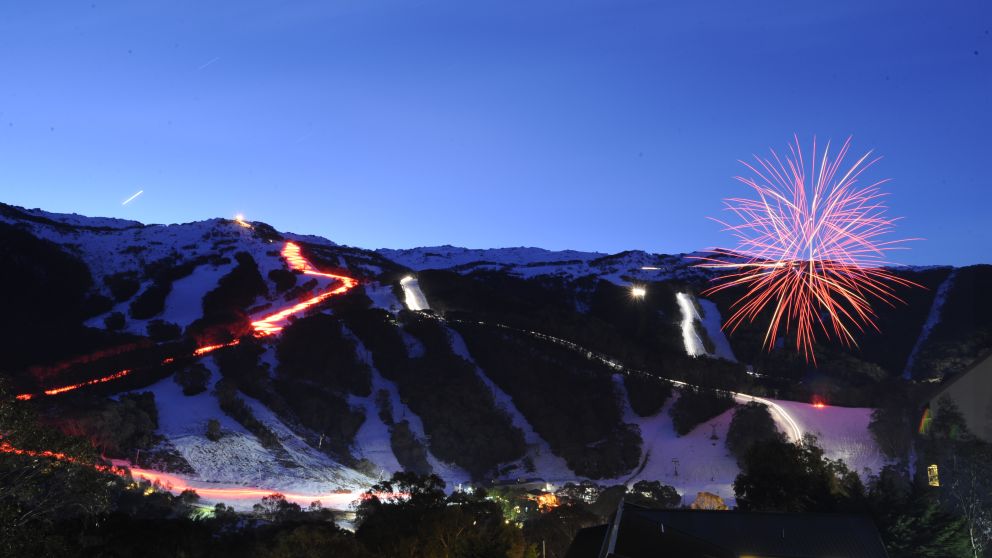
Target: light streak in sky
810, 248
131, 199
211, 61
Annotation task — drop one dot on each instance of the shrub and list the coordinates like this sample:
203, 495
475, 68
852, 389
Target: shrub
570, 401
193, 378
119, 427
236, 408
696, 406
892, 428
323, 411
122, 285
151, 301
213, 430
784, 477
647, 395
315, 349
283, 279
236, 290
752, 424
114, 321
653, 494
410, 453
159, 330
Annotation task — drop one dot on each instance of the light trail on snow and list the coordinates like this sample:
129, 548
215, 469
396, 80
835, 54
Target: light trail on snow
274, 323
265, 326
175, 484
782, 417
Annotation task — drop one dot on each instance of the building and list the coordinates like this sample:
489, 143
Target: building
971, 392
637, 532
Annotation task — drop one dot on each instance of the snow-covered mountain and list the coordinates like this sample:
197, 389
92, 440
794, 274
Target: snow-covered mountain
391, 388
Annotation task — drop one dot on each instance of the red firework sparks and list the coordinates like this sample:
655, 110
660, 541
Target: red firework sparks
810, 247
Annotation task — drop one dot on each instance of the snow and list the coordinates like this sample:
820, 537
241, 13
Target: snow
704, 464
413, 297
443, 257
932, 318
238, 460
690, 337
546, 463
374, 449
712, 323
710, 320
184, 305
382, 296
842, 432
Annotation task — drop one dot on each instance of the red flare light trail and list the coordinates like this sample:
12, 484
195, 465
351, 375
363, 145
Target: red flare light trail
175, 484
809, 247
274, 323
265, 326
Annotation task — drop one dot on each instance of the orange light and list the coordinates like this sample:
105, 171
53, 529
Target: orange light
63, 389
267, 325
545, 502
272, 323
819, 405
211, 348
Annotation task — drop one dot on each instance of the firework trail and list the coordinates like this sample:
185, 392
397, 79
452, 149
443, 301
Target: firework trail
810, 248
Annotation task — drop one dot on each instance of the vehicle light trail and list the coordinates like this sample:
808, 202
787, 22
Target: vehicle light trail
267, 325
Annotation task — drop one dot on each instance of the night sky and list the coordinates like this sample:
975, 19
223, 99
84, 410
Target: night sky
607, 125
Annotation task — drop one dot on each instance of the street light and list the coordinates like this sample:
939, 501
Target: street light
637, 291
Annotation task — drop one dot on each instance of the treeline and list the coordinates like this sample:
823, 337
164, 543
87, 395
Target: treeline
964, 332
47, 295
224, 308
696, 406
569, 400
601, 316
459, 415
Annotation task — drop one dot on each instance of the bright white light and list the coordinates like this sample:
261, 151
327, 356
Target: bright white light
650, 268
240, 219
131, 199
413, 297
638, 292
690, 337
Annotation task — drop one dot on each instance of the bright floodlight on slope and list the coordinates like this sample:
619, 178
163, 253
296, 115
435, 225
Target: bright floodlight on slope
406, 279
637, 291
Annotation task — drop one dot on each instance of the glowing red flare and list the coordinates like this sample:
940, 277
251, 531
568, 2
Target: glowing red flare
63, 389
211, 348
809, 248
274, 323
267, 325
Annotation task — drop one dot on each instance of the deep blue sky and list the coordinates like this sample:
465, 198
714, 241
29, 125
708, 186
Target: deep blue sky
605, 125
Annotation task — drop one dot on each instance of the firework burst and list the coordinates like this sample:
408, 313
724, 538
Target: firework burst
811, 248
